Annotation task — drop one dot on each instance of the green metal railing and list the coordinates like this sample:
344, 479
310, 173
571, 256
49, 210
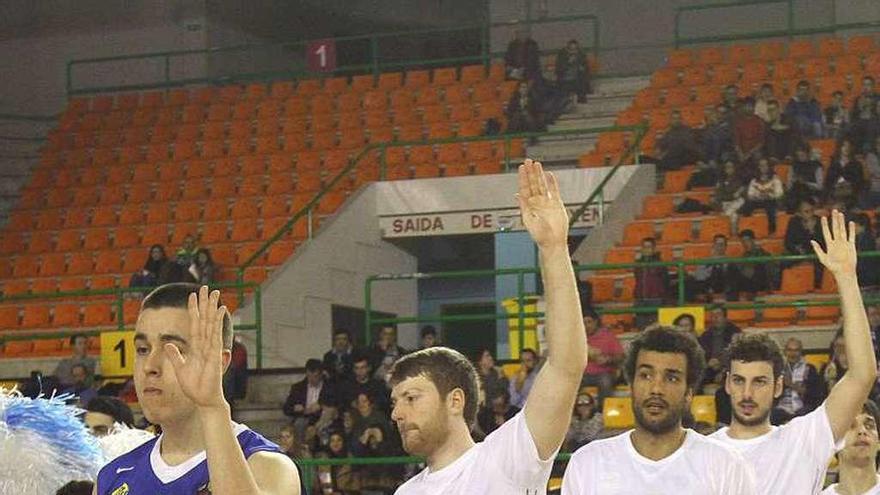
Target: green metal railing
373, 62
119, 295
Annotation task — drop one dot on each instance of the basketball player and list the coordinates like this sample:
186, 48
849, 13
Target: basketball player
857, 461
182, 348
793, 458
663, 366
435, 390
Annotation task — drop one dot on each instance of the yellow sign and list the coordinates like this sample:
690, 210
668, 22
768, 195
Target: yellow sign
668, 317
117, 353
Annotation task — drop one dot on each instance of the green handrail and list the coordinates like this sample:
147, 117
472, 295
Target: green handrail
712, 6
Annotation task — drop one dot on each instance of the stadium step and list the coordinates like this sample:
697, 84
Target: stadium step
620, 85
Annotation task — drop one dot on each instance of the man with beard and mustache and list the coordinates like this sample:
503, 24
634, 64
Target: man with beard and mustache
663, 367
858, 459
792, 458
435, 390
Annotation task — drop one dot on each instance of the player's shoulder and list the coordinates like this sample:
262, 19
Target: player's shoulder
409, 487
709, 447
600, 448
252, 442
134, 455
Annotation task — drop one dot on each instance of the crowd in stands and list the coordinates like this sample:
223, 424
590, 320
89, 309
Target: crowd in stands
190, 264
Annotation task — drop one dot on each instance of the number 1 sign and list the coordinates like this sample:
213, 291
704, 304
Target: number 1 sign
321, 55
117, 353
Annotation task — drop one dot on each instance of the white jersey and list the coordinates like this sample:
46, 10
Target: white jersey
505, 463
832, 490
701, 466
789, 459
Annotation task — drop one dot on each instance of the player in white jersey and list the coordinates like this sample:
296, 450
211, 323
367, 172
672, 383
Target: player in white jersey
435, 390
793, 458
857, 462
659, 457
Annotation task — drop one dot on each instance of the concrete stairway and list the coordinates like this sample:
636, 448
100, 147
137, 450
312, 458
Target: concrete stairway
20, 145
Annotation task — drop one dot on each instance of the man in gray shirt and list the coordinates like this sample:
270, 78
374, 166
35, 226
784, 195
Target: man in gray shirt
64, 372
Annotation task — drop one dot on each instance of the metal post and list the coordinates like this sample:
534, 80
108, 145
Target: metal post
383, 164
308, 478
521, 299
167, 69
374, 52
677, 32
258, 319
120, 300
680, 283
507, 145
69, 71
309, 220
790, 19
368, 309
240, 280
601, 206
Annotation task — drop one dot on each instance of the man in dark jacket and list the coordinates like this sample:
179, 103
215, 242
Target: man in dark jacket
523, 58
802, 228
572, 71
803, 386
337, 361
805, 112
307, 397
715, 339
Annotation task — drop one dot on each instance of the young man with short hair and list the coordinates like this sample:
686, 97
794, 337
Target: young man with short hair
103, 413
793, 458
857, 462
79, 342
182, 347
663, 366
435, 391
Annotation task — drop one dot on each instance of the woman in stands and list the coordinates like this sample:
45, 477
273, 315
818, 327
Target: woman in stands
765, 192
203, 268
149, 275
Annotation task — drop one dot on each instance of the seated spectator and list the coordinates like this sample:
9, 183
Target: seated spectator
305, 399
686, 323
864, 127
805, 113
782, 137
103, 413
802, 392
429, 337
524, 110
867, 267
730, 99
717, 136
605, 355
586, 423
764, 192
715, 340
338, 479
363, 382
836, 116
80, 388
678, 146
522, 382
492, 378
805, 181
372, 436
845, 179
872, 169
291, 445
64, 371
338, 360
202, 268
751, 278
749, 131
178, 271
652, 282
710, 279
836, 367
869, 88
385, 352
729, 195
762, 102
153, 267
803, 227
236, 378
495, 413
573, 72
522, 58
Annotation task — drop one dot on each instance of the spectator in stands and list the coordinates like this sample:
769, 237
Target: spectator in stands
806, 179
678, 146
492, 378
751, 278
202, 268
874, 322
805, 112
836, 367
762, 102
710, 279
496, 412
605, 355
857, 461
153, 267
868, 88
80, 387
338, 360
865, 241
522, 58
872, 170
291, 445
864, 127
802, 228
573, 71
586, 423
236, 378
686, 323
103, 413
765, 192
748, 131
802, 390
782, 137
429, 337
717, 136
64, 371
522, 382
524, 110
652, 282
338, 479
363, 382
729, 99
178, 271
836, 116
305, 399
184, 256
729, 193
372, 436
715, 340
845, 179
385, 352
77, 488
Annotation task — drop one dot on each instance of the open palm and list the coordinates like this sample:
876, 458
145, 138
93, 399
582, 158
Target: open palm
543, 213
840, 254
200, 372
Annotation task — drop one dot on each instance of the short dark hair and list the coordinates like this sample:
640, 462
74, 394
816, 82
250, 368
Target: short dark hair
428, 330
529, 350
342, 331
589, 311
113, 407
669, 340
803, 83
176, 295
747, 233
718, 306
753, 347
685, 316
358, 356
314, 365
649, 239
766, 85
76, 488
76, 336
447, 369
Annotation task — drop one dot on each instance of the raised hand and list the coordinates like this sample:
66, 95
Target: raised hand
840, 254
200, 371
543, 213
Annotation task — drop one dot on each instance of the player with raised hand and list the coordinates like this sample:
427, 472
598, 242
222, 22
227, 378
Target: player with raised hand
435, 390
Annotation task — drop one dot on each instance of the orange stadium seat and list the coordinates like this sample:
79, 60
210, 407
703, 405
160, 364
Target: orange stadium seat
676, 231
797, 279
